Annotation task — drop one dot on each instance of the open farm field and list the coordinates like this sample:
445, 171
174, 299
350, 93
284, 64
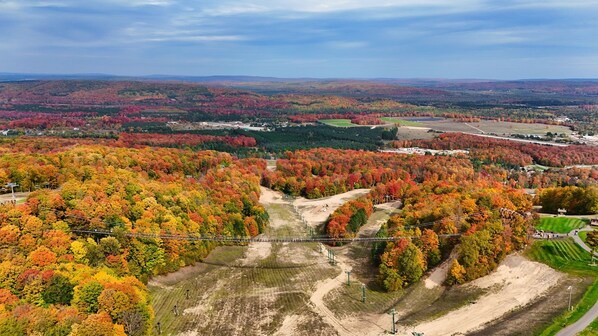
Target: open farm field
414, 133
402, 122
338, 122
506, 127
497, 127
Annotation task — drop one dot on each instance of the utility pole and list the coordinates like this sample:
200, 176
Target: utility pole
187, 294
159, 328
12, 186
570, 288
393, 330
363, 293
348, 278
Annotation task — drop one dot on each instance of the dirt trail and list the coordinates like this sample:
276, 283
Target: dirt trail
439, 274
316, 211
317, 298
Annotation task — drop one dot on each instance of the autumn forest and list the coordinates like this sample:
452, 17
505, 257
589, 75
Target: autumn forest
141, 161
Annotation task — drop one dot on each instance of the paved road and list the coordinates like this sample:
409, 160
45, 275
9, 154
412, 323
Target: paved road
579, 241
581, 324
592, 314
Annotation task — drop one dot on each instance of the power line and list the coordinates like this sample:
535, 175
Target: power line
245, 239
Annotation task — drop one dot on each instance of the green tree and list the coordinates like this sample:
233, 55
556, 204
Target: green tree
86, 296
592, 240
411, 264
59, 290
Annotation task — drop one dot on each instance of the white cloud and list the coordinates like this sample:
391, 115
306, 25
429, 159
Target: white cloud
141, 32
496, 37
553, 3
347, 44
234, 7
137, 3
196, 38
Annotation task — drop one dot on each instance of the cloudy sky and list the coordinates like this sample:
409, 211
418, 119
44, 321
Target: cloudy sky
502, 39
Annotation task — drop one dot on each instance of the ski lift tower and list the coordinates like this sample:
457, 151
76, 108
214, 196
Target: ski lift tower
12, 188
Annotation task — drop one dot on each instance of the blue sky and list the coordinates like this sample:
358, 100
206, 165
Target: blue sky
506, 39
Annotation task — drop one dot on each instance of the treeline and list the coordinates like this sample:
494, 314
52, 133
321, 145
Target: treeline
576, 200
55, 282
182, 140
346, 220
509, 152
324, 172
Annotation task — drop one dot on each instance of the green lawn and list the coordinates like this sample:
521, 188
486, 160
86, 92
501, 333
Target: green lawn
563, 255
592, 329
338, 122
560, 224
402, 122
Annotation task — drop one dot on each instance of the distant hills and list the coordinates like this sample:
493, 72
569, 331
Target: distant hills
466, 93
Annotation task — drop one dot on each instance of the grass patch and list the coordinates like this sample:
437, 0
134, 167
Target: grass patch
591, 330
338, 122
583, 235
402, 122
560, 224
225, 255
445, 301
563, 255
346, 300
587, 301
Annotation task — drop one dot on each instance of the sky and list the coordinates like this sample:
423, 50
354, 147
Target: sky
504, 39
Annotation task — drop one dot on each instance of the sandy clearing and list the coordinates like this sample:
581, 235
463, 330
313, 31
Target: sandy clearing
289, 325
316, 211
269, 196
438, 276
520, 281
256, 251
390, 206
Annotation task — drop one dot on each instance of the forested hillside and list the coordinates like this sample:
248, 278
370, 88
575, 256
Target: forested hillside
54, 280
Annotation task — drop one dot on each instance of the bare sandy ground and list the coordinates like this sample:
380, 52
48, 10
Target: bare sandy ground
257, 251
518, 282
438, 276
515, 283
269, 196
289, 325
317, 299
390, 206
316, 211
